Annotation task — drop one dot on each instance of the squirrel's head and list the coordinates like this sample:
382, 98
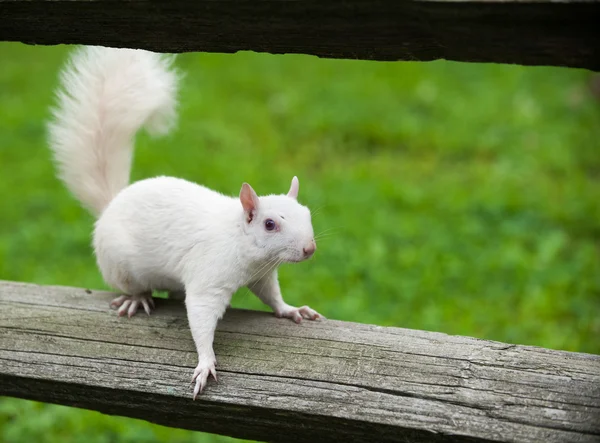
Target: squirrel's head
279, 226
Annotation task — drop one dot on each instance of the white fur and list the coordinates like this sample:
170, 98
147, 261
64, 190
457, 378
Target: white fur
106, 95
159, 232
166, 233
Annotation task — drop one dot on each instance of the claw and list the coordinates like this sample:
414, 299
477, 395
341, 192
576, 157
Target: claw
118, 301
299, 314
124, 307
130, 304
202, 372
196, 390
133, 308
146, 305
196, 374
200, 384
310, 314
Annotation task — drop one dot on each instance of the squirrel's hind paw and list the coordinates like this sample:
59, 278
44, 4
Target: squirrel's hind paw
129, 305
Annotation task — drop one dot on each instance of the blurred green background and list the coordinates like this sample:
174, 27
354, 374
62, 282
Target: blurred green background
460, 198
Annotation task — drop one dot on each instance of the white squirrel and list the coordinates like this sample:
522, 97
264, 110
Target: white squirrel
166, 233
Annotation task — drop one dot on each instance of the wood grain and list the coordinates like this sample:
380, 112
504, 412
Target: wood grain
278, 381
536, 32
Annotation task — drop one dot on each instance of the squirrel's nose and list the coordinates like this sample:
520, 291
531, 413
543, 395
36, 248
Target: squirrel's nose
310, 250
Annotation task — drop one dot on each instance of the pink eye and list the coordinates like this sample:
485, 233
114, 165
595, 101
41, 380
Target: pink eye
270, 225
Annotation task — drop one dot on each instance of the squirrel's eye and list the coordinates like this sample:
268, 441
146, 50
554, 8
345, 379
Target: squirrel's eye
270, 224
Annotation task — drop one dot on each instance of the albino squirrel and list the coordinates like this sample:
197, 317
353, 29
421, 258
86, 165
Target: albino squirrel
166, 233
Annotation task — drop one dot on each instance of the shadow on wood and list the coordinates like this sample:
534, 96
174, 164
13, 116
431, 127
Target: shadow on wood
536, 32
281, 382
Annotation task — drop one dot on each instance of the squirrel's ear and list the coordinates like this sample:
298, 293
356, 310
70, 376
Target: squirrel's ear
249, 201
293, 192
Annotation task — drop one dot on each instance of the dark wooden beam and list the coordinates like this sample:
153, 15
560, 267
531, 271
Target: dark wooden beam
560, 33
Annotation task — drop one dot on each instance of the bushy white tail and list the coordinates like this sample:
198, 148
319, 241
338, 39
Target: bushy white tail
106, 96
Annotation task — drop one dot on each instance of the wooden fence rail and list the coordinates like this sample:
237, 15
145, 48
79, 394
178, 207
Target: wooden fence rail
281, 382
533, 32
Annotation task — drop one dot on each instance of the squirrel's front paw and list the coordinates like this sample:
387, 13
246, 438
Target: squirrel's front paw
297, 314
129, 304
206, 367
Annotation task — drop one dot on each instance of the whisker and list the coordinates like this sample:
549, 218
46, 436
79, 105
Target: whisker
266, 281
262, 267
317, 210
270, 269
333, 228
327, 232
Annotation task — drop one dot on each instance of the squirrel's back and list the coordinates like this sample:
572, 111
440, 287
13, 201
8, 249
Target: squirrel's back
106, 96
151, 226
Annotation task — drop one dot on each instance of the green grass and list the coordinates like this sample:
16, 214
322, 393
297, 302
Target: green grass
458, 198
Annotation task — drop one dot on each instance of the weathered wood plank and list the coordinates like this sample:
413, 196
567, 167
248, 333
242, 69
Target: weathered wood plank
314, 382
535, 32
